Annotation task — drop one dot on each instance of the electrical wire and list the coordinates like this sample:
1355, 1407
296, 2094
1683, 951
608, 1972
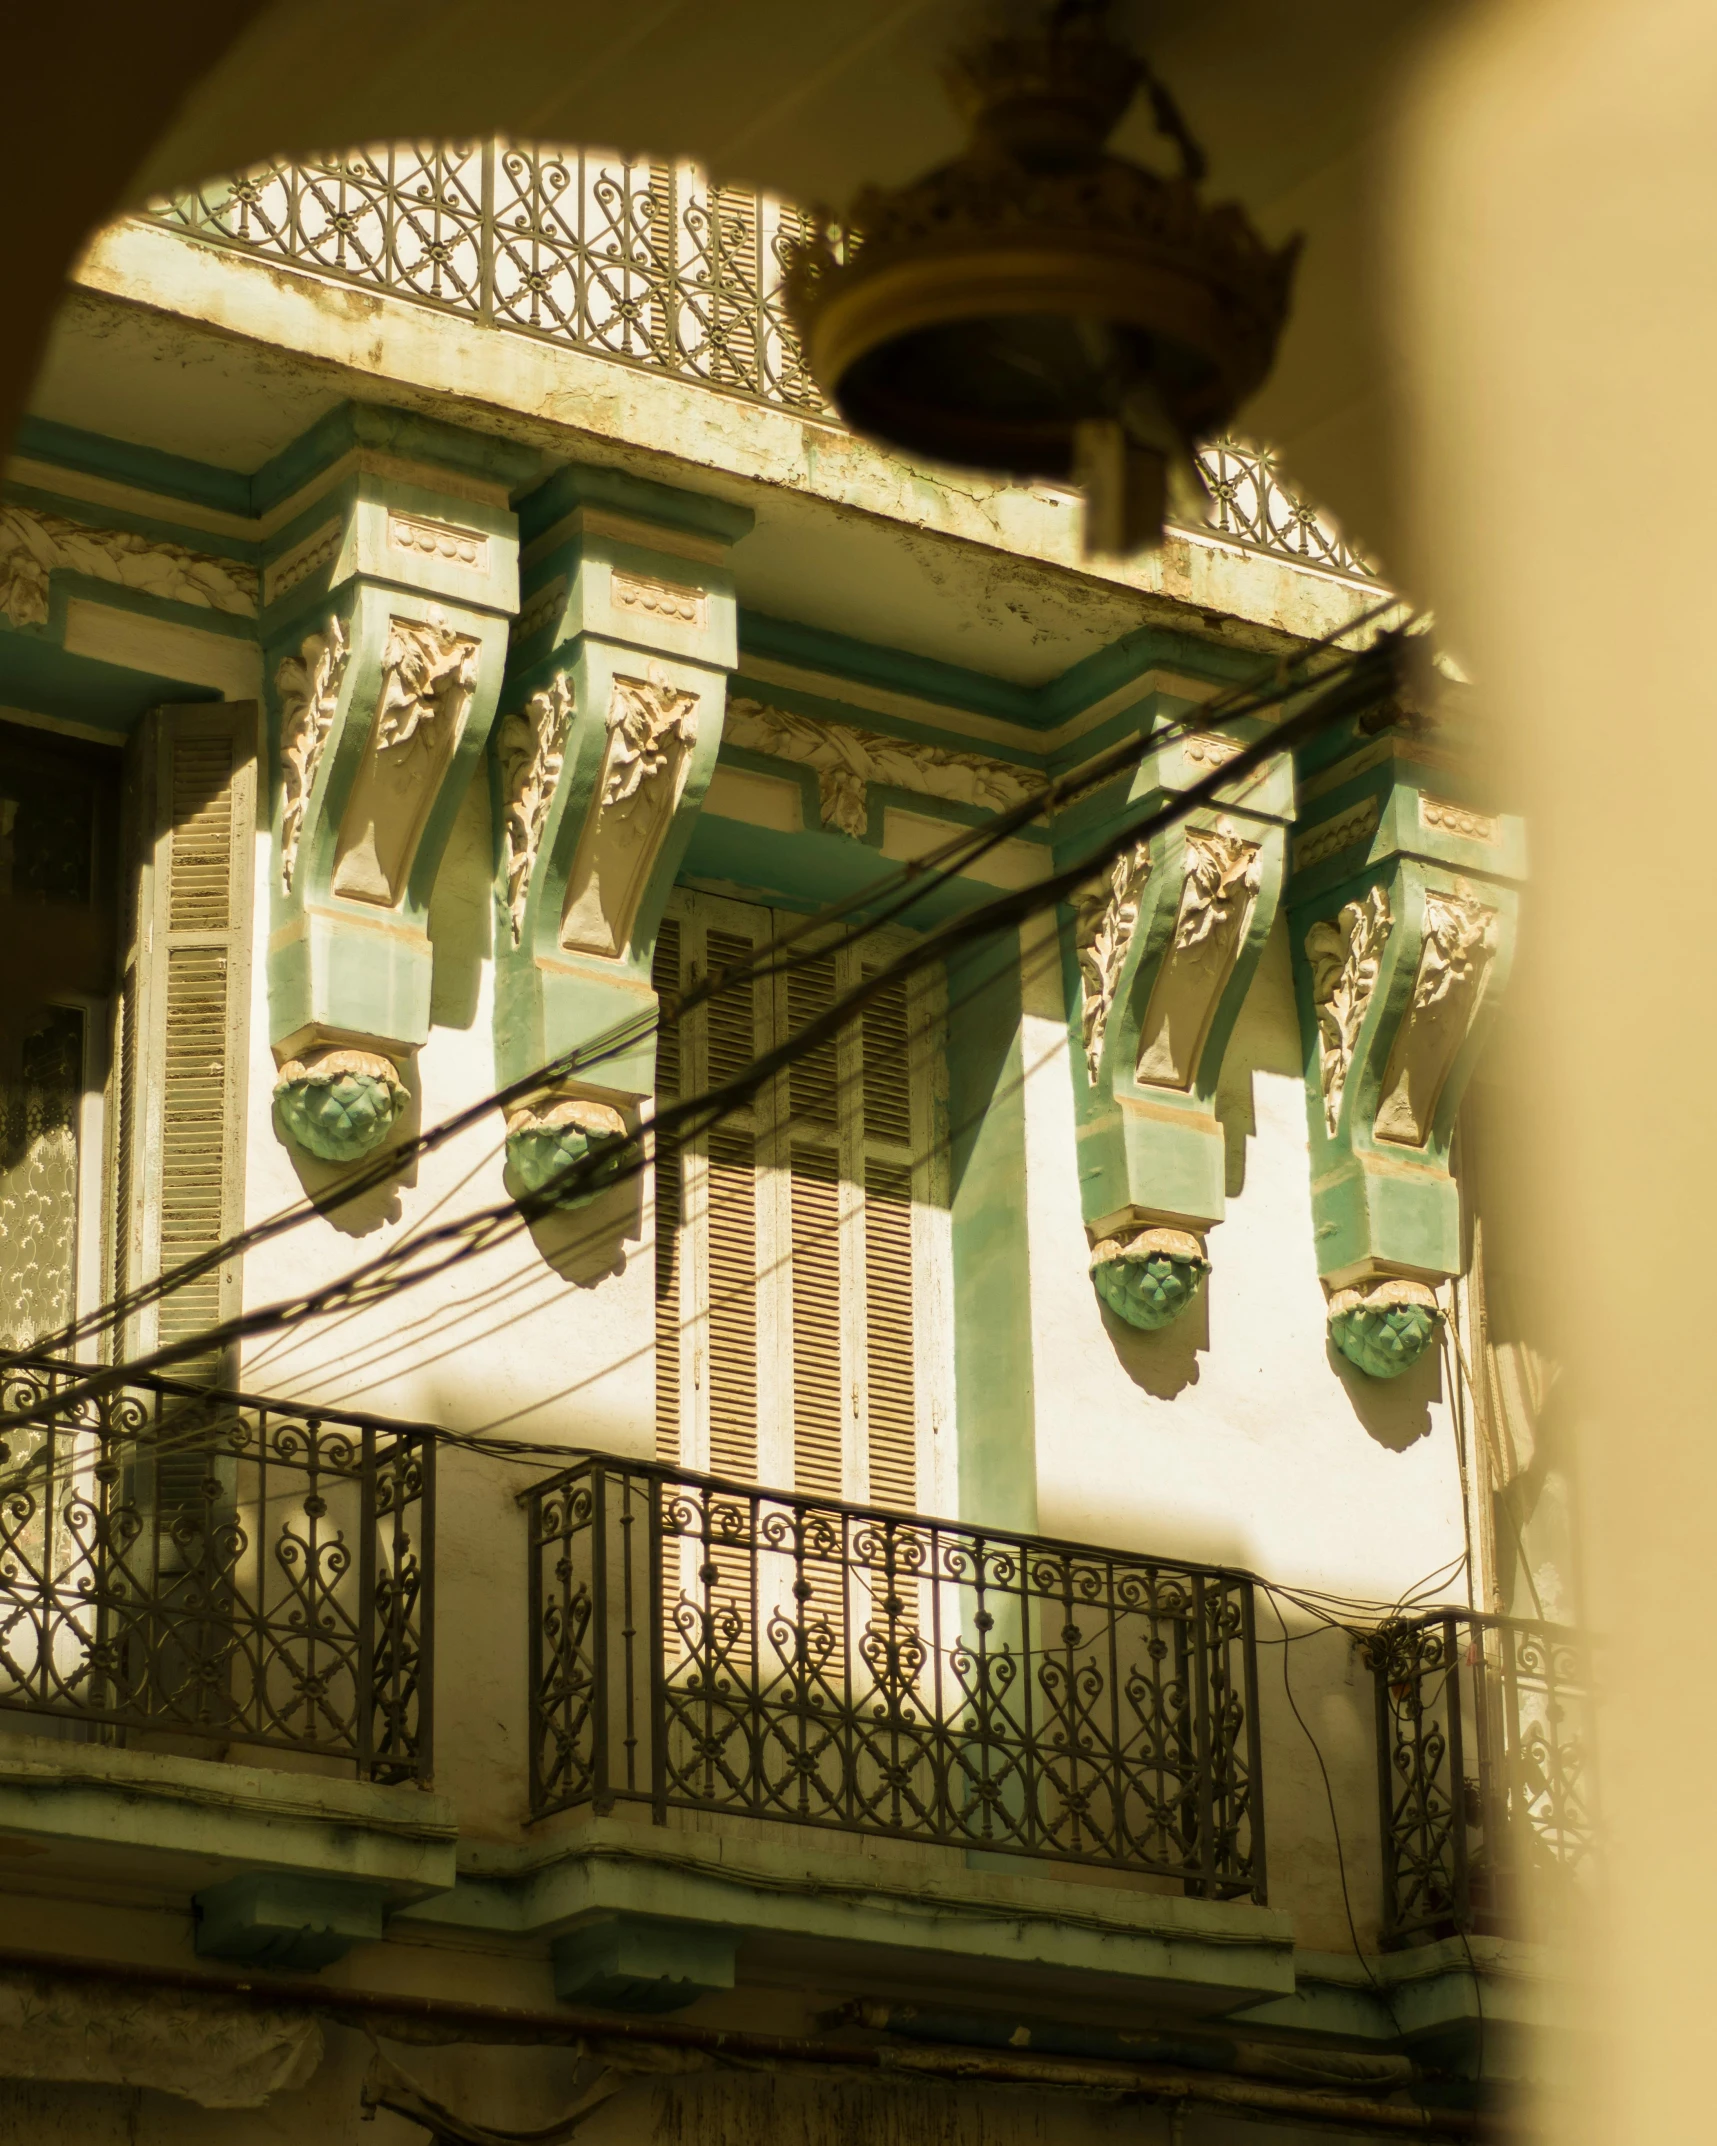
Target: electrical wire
1362, 680
883, 902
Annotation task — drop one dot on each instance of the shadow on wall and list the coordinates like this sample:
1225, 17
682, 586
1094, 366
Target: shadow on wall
381, 1205
1395, 1413
462, 911
1164, 1363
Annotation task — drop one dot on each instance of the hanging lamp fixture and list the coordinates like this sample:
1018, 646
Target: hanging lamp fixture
1039, 308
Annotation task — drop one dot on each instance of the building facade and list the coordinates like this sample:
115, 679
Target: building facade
1014, 1563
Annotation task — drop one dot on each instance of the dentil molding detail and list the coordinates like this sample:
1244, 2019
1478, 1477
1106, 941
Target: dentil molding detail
847, 759
33, 544
1102, 934
531, 748
309, 688
652, 727
1344, 957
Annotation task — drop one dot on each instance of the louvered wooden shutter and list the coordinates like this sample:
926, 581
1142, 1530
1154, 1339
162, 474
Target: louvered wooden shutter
814, 1164
670, 1201
892, 1413
184, 1015
731, 1022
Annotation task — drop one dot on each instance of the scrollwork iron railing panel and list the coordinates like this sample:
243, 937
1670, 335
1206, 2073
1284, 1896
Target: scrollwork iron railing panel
1485, 1771
177, 1558
710, 1646
646, 263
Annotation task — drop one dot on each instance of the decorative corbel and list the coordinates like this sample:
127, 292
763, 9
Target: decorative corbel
386, 597
612, 720
1166, 944
1402, 912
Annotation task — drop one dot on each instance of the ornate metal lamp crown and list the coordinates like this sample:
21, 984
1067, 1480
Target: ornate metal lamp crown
1038, 307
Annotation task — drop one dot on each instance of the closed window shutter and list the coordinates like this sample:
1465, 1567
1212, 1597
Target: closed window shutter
731, 1021
797, 1256
892, 1411
184, 1017
670, 1202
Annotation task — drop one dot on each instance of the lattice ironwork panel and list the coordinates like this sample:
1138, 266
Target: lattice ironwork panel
647, 263
178, 1558
1484, 1766
704, 1645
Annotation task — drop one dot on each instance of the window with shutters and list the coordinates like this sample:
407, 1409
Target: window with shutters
58, 809
183, 1015
801, 1243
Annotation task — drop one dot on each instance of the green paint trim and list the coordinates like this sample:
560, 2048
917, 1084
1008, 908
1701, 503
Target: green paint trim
150, 469
580, 484
355, 425
816, 648
806, 870
1093, 678
994, 1378
40, 678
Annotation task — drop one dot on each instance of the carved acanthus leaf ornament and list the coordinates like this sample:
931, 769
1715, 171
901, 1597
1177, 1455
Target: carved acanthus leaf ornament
1344, 956
1223, 875
649, 722
309, 688
1460, 937
847, 760
532, 750
33, 544
429, 673
1104, 931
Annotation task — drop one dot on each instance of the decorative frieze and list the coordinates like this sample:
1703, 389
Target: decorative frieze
1330, 837
531, 748
539, 608
439, 540
652, 726
285, 573
1457, 820
1345, 955
34, 544
1102, 935
672, 602
308, 685
848, 760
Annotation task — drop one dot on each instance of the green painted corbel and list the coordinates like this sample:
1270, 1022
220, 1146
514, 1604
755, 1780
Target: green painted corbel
1165, 947
1402, 913
387, 590
612, 720
265, 1918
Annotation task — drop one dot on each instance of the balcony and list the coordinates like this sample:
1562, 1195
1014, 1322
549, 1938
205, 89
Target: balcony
200, 1564
705, 1646
1484, 1767
647, 264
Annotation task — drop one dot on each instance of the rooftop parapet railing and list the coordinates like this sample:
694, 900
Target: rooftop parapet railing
642, 262
709, 1646
175, 1558
1485, 1771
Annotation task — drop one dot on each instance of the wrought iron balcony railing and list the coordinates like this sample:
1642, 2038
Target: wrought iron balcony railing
175, 1558
1484, 1765
643, 262
700, 1645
